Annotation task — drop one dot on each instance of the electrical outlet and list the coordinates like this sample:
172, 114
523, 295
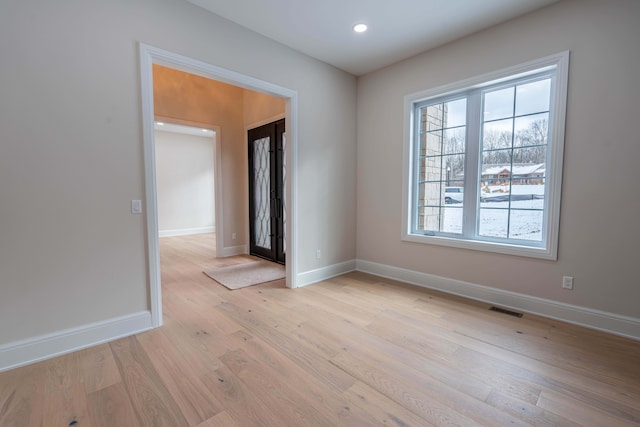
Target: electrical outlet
318, 253
233, 236
567, 282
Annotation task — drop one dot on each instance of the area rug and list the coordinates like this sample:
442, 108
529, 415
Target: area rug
246, 274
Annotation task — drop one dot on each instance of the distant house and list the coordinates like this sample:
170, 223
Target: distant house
521, 174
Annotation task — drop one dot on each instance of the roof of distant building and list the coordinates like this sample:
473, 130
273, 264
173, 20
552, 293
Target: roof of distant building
518, 169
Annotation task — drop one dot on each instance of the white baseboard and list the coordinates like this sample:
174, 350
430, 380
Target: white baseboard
186, 231
594, 319
324, 273
233, 250
24, 352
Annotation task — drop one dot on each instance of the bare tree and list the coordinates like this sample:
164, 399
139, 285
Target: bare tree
528, 145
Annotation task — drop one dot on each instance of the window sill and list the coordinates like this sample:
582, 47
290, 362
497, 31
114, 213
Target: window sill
485, 246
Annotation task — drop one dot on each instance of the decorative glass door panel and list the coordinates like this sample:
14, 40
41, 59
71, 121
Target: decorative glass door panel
262, 192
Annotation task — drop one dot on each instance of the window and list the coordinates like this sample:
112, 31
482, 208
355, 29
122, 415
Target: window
483, 161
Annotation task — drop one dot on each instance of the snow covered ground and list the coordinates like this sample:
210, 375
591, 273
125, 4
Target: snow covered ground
524, 221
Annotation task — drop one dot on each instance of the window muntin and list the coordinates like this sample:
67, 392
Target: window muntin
512, 130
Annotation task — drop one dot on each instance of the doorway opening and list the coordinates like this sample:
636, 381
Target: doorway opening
150, 56
185, 179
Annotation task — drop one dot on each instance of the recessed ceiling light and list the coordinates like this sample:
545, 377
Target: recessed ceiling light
360, 28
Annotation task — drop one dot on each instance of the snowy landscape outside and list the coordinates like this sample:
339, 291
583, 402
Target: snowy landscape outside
523, 221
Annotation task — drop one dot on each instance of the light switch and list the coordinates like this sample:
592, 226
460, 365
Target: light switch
136, 206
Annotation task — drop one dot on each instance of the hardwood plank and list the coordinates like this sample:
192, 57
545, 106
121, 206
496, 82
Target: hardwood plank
384, 353
421, 342
65, 396
36, 416
99, 368
22, 396
411, 396
110, 406
468, 402
386, 411
301, 355
527, 412
279, 396
195, 401
540, 340
195, 306
300, 314
331, 332
328, 301
334, 406
242, 403
259, 301
222, 419
514, 378
152, 402
413, 336
199, 347
619, 388
578, 411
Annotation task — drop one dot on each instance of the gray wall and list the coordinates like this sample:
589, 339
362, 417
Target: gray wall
71, 151
599, 231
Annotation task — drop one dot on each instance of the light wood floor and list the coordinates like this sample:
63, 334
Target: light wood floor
356, 350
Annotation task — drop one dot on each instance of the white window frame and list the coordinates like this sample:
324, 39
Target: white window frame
548, 249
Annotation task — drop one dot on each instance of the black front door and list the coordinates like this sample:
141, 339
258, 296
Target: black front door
266, 191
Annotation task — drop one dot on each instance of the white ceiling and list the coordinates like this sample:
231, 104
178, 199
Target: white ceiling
398, 29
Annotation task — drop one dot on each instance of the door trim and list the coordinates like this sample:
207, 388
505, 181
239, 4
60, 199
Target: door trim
150, 55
